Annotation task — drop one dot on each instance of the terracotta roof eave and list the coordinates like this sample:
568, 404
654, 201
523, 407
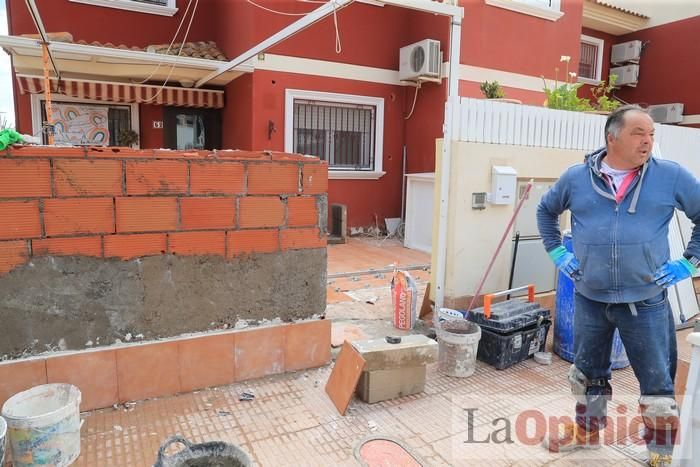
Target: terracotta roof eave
623, 10
139, 55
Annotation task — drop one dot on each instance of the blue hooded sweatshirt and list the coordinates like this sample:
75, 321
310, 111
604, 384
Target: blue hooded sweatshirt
620, 246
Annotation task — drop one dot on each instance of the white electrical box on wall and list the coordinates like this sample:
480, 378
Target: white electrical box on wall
503, 183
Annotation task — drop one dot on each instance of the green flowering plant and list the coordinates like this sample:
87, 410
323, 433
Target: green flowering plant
565, 96
492, 90
604, 101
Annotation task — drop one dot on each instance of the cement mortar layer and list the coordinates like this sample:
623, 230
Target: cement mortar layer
73, 303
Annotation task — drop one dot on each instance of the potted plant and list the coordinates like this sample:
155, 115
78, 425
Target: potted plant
605, 102
128, 137
493, 90
565, 96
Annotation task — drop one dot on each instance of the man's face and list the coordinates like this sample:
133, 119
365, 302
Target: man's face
633, 145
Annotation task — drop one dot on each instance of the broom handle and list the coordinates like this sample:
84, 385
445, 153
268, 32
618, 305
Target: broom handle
500, 244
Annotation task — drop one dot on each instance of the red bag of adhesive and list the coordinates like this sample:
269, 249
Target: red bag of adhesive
404, 295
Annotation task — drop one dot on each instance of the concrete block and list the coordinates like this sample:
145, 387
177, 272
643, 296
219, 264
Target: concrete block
380, 385
413, 351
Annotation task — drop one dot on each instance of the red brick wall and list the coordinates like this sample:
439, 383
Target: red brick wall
124, 203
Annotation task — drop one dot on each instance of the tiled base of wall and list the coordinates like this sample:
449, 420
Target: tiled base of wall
155, 369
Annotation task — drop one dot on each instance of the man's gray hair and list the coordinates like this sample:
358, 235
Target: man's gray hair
616, 119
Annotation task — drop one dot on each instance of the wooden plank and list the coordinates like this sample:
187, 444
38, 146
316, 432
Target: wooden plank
426, 306
344, 377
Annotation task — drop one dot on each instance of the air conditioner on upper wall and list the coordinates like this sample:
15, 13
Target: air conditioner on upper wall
420, 60
666, 113
626, 75
626, 52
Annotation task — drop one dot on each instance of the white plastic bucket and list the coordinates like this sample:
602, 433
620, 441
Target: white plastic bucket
3, 432
44, 425
458, 342
445, 314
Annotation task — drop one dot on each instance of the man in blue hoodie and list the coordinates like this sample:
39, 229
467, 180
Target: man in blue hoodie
621, 201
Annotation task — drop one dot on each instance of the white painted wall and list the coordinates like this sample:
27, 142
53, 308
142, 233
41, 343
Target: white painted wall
473, 235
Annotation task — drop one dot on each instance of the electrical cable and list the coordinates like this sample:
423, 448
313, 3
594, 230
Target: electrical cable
167, 52
338, 45
413, 107
172, 67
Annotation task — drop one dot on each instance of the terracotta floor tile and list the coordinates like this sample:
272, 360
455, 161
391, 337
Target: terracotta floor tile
206, 361
362, 254
150, 370
259, 352
343, 380
336, 297
94, 373
19, 376
308, 344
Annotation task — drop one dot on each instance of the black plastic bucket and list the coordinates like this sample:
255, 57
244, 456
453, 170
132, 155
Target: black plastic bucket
209, 454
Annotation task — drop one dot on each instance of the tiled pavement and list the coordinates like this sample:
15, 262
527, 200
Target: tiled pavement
292, 422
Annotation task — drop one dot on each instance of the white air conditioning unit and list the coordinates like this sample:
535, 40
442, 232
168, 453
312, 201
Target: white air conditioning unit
420, 60
626, 52
666, 113
626, 75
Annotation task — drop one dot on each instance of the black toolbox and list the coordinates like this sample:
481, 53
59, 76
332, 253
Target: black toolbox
515, 330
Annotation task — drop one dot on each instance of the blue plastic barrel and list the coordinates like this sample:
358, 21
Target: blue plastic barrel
564, 321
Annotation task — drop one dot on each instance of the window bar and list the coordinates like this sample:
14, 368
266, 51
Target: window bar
346, 146
295, 127
315, 110
332, 117
364, 154
373, 139
357, 149
302, 136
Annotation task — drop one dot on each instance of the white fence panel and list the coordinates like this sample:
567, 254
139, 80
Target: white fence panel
494, 122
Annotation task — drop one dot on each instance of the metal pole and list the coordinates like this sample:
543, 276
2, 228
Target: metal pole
451, 109
47, 95
512, 264
500, 244
299, 25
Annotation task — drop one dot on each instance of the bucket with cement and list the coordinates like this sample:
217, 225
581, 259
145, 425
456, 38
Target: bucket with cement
3, 432
209, 454
44, 425
458, 342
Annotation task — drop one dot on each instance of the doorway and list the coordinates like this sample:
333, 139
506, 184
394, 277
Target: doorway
186, 128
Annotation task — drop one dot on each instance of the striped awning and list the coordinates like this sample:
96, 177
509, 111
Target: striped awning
123, 92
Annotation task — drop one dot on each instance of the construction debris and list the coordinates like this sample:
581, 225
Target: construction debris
246, 395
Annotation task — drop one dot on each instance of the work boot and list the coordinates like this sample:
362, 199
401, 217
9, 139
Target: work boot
570, 436
657, 459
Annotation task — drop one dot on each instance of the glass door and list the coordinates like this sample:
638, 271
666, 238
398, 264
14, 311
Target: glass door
192, 128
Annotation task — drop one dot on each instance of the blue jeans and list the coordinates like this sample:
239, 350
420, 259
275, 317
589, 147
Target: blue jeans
650, 342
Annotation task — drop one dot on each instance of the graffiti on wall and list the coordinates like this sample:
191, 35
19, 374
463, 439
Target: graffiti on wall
81, 124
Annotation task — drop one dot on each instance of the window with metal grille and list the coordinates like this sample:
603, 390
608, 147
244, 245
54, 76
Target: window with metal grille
342, 134
118, 120
591, 59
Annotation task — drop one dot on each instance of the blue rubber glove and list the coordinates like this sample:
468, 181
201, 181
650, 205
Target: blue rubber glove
673, 272
566, 262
